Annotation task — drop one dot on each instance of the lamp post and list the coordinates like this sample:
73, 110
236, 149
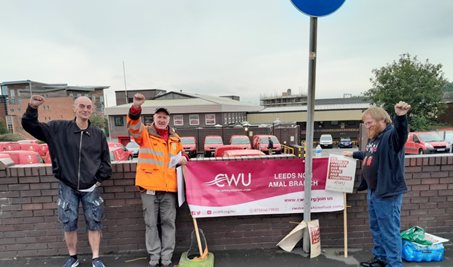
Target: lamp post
29, 83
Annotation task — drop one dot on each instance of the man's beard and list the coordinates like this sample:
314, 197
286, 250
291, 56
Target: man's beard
374, 132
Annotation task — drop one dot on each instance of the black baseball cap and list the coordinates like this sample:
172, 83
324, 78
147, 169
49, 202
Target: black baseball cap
162, 109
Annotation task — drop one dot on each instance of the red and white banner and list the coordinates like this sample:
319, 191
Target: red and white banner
253, 187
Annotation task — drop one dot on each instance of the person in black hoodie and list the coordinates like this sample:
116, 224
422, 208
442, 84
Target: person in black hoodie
383, 177
80, 161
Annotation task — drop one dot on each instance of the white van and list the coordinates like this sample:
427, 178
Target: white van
326, 140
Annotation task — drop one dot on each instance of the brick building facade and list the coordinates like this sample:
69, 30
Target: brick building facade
58, 104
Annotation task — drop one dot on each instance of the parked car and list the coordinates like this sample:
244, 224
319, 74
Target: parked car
189, 143
43, 148
9, 146
345, 142
125, 154
211, 142
48, 159
118, 154
28, 141
326, 140
242, 153
261, 142
30, 147
221, 149
133, 147
23, 157
447, 135
241, 140
425, 143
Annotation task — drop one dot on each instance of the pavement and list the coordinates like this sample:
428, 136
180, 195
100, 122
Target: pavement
243, 258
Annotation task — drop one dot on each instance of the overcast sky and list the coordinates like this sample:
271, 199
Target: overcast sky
235, 47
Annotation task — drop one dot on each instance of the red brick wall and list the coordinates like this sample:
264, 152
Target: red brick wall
29, 225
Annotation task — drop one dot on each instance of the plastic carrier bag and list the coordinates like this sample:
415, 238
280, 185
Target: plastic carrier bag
415, 234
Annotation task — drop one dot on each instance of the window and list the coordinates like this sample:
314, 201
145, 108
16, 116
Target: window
45, 118
334, 123
226, 120
209, 119
119, 121
47, 107
79, 95
49, 119
11, 110
71, 94
4, 90
194, 120
44, 107
178, 120
19, 109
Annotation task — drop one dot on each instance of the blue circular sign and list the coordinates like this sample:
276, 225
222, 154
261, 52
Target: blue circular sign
317, 8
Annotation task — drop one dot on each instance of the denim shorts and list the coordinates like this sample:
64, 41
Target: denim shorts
68, 207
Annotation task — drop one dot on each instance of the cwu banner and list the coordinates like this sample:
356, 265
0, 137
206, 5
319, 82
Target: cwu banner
254, 187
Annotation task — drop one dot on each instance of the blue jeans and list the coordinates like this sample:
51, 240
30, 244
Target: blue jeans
385, 226
68, 208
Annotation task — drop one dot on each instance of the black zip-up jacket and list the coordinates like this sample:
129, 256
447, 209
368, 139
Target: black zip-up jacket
390, 155
79, 158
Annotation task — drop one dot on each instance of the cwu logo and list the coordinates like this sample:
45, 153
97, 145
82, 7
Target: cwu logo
222, 179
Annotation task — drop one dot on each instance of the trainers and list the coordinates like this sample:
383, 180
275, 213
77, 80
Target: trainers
97, 263
153, 264
374, 262
72, 262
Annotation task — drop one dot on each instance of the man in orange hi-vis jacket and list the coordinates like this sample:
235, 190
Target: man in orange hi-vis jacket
155, 180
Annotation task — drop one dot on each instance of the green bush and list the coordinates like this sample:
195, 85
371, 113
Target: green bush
12, 137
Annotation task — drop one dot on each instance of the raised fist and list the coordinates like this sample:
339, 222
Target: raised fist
139, 99
401, 108
36, 101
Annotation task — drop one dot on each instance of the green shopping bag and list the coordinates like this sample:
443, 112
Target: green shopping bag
415, 234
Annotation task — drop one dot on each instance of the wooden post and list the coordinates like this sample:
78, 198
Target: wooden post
198, 236
345, 224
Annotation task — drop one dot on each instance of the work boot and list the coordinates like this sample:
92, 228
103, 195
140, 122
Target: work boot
374, 262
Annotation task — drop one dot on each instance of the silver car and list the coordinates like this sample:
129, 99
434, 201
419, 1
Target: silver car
326, 140
133, 147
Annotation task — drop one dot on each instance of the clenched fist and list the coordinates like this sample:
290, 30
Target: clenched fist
401, 108
139, 99
36, 101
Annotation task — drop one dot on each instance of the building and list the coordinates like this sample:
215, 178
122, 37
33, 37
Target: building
187, 111
147, 93
59, 100
340, 117
283, 100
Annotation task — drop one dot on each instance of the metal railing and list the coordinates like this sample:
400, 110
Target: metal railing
287, 149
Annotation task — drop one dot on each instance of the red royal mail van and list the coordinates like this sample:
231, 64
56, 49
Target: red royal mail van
211, 142
261, 142
425, 143
190, 146
24, 157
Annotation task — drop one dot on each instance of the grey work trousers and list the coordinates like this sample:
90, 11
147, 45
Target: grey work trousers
163, 204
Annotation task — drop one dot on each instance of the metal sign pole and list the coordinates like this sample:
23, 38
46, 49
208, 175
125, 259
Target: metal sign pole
309, 128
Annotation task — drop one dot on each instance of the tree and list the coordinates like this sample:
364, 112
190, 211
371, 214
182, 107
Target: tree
408, 80
3, 129
100, 122
448, 90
